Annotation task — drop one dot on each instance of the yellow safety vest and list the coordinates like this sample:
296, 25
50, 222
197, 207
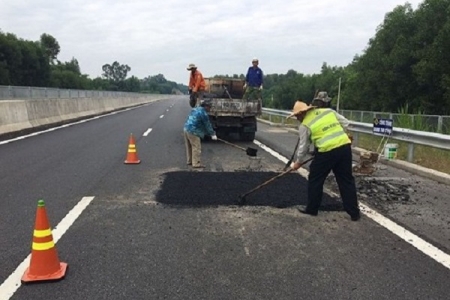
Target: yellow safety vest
326, 131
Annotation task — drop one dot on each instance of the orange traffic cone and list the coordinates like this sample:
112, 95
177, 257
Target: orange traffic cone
44, 264
132, 157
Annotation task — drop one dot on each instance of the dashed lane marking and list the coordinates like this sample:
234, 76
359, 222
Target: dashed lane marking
409, 237
147, 132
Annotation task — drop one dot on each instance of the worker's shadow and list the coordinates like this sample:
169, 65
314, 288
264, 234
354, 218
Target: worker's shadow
197, 189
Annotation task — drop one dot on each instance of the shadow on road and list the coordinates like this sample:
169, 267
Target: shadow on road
223, 188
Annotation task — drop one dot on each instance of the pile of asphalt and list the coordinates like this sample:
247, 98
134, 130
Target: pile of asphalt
224, 188
380, 192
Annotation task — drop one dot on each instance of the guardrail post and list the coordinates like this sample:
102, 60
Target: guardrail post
355, 139
362, 117
30, 94
270, 118
439, 127
410, 152
10, 92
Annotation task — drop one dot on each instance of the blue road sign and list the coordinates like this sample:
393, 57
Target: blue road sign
382, 126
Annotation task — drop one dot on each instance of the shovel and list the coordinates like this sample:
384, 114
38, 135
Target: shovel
250, 151
242, 199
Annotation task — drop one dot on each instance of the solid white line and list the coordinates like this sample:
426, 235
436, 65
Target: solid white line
147, 132
64, 126
161, 116
422, 245
13, 282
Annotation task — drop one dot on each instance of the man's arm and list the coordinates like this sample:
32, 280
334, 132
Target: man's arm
304, 144
342, 120
261, 78
207, 123
198, 80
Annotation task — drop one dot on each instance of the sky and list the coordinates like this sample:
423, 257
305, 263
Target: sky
220, 37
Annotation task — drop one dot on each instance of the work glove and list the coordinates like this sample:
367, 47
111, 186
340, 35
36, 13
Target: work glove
260, 88
245, 86
214, 137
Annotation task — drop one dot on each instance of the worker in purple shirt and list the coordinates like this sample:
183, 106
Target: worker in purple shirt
253, 82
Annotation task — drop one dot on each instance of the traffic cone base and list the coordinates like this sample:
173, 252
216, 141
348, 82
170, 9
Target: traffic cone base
44, 262
28, 277
132, 157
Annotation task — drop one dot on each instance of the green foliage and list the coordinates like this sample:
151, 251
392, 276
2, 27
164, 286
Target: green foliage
412, 120
50, 45
115, 72
405, 67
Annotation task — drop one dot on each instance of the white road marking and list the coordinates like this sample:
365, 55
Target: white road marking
67, 125
409, 237
161, 116
13, 282
147, 132
167, 109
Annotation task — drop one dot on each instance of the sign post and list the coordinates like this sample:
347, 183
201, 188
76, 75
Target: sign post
383, 127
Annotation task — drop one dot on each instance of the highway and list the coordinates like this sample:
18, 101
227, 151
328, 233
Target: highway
161, 230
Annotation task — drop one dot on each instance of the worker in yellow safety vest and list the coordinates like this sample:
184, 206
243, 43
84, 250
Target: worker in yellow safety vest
326, 129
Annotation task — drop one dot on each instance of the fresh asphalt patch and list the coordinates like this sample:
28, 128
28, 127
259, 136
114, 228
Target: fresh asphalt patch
193, 189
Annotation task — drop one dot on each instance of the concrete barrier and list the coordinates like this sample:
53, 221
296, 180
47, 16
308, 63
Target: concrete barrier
17, 115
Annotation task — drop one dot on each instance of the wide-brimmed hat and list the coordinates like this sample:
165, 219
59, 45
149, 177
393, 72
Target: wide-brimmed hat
191, 66
300, 107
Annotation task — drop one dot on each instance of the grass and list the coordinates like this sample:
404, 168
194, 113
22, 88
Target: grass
416, 121
428, 157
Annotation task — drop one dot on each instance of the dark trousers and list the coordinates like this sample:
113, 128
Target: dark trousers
339, 161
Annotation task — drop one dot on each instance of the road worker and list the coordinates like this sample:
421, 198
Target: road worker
196, 127
326, 130
253, 82
196, 86
323, 101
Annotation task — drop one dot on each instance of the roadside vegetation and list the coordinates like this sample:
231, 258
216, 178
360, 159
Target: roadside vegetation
405, 66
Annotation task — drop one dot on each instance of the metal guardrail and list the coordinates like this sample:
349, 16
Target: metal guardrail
421, 122
411, 137
26, 92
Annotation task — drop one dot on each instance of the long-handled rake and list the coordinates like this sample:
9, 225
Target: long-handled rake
242, 198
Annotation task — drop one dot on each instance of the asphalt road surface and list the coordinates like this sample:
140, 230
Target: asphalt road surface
161, 230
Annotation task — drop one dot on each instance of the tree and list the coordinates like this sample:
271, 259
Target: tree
115, 72
50, 46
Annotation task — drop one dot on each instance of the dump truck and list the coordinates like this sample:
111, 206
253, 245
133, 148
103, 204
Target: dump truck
230, 113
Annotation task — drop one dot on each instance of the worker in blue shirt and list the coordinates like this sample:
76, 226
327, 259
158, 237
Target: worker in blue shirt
196, 127
253, 82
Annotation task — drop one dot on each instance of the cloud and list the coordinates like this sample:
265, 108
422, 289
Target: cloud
221, 37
